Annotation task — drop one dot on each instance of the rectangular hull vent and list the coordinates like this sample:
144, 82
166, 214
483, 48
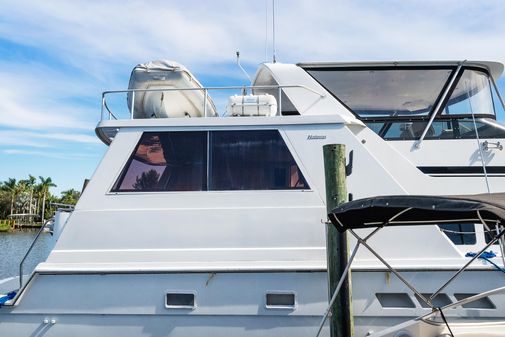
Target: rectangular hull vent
280, 300
481, 303
395, 300
180, 300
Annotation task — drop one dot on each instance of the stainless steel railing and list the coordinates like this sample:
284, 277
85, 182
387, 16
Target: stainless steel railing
44, 225
106, 112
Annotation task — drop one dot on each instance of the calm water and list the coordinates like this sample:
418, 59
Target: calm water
13, 247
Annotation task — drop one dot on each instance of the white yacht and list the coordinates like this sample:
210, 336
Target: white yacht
207, 214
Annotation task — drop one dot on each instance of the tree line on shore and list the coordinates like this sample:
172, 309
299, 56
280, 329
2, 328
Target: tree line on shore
32, 198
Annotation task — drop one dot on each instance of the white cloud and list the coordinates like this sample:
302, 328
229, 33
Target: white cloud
48, 154
37, 97
39, 139
100, 36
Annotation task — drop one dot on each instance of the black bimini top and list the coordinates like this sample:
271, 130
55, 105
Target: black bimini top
405, 210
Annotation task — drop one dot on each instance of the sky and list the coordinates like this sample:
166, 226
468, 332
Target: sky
56, 57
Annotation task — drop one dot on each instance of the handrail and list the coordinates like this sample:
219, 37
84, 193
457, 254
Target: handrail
475, 298
60, 205
205, 91
28, 252
464, 301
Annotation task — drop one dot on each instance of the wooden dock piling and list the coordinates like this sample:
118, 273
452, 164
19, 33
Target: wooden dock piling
341, 320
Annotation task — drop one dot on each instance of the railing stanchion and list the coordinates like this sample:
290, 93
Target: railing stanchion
279, 104
133, 104
101, 108
205, 93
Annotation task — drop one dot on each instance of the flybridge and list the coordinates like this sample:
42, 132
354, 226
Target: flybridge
166, 89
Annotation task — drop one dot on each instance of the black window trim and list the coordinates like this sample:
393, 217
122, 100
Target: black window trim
441, 118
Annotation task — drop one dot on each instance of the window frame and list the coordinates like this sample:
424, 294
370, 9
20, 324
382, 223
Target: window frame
112, 190
439, 116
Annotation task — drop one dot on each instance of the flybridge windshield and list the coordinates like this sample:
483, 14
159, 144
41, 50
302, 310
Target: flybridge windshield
384, 92
472, 95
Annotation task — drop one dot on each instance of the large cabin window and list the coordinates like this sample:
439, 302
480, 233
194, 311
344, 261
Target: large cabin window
168, 161
252, 160
211, 160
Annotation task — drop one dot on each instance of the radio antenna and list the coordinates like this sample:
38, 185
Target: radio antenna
242, 68
266, 31
273, 31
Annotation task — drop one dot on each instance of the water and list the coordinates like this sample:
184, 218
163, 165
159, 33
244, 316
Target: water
13, 247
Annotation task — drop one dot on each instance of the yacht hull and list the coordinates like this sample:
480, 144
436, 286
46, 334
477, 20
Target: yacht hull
226, 304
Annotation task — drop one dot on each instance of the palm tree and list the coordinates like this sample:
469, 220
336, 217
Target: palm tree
11, 187
30, 184
22, 198
70, 197
45, 184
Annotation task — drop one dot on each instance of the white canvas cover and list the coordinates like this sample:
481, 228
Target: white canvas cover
157, 103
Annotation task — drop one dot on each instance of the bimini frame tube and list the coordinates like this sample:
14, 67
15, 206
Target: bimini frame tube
496, 238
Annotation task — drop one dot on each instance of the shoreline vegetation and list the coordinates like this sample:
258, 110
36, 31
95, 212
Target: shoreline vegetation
6, 225
29, 202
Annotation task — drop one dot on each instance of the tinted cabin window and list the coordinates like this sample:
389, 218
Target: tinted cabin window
169, 161
252, 160
460, 234
239, 160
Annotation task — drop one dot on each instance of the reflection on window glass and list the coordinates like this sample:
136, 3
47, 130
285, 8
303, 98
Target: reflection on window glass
499, 109
384, 92
447, 128
472, 95
239, 160
460, 234
252, 160
170, 161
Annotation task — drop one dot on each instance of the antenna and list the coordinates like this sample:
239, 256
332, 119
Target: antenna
273, 31
242, 68
266, 31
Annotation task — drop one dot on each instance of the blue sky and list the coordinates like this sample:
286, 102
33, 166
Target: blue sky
56, 57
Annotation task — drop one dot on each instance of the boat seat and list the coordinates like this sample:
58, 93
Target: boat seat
415, 130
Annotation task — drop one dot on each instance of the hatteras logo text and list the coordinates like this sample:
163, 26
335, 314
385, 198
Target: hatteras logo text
314, 137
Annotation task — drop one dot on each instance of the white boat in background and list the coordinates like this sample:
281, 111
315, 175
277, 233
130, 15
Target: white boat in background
210, 221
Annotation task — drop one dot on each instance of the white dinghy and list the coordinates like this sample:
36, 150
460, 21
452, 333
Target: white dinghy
182, 94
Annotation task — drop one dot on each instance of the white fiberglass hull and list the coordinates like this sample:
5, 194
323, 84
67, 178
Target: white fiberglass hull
226, 304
